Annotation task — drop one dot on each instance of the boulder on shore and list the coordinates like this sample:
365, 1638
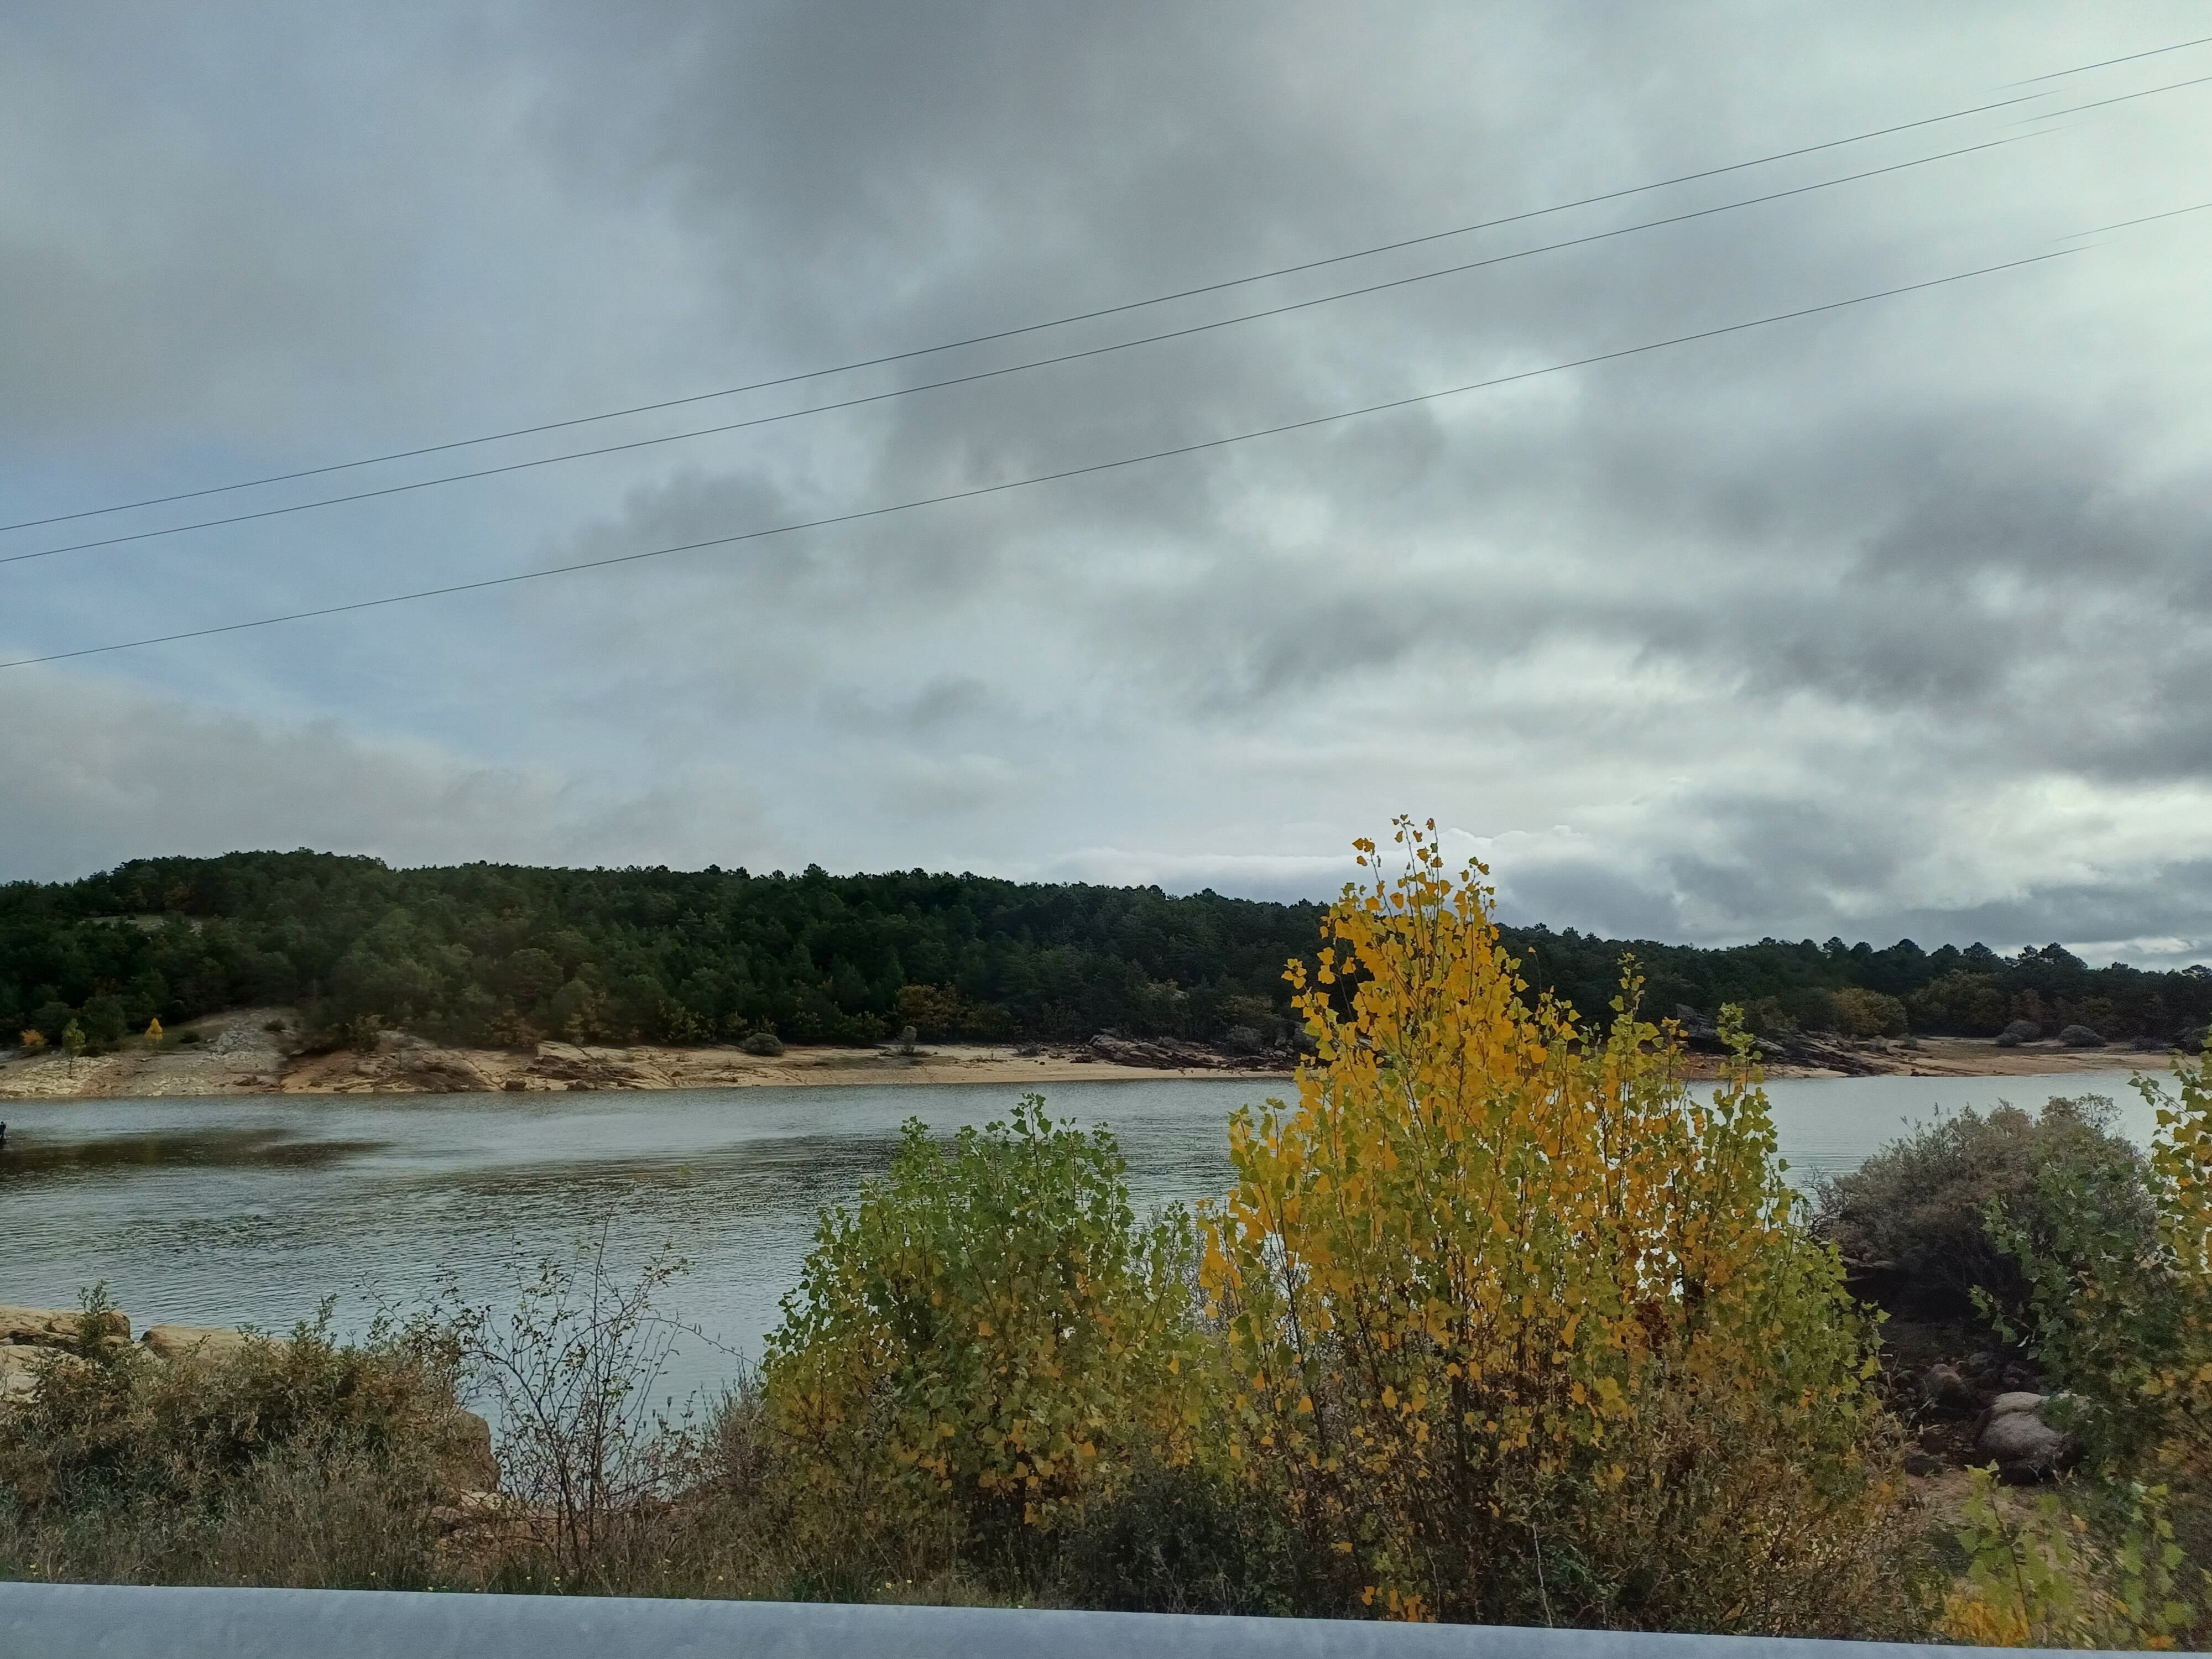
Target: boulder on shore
193, 1341
2080, 1036
2025, 1448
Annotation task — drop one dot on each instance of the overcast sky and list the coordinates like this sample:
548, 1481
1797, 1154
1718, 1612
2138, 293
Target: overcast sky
1896, 620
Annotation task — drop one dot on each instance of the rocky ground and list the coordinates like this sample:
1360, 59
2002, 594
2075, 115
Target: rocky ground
252, 1050
1970, 1404
31, 1338
1808, 1055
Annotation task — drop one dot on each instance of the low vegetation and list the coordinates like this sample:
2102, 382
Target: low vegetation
1500, 1322
299, 1461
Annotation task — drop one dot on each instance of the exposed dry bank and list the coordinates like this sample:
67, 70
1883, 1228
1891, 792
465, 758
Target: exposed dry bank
252, 1050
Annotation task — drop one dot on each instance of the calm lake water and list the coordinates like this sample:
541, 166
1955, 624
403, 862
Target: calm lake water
216, 1211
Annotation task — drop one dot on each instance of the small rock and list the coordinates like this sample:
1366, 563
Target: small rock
2021, 1401
19, 1370
1946, 1390
1921, 1463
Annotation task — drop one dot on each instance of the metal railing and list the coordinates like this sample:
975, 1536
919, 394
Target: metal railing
80, 1621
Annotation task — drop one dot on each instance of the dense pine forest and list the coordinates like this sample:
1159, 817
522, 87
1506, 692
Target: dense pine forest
508, 955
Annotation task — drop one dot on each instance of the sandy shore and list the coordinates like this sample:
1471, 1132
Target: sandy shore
247, 1051
1938, 1056
241, 1055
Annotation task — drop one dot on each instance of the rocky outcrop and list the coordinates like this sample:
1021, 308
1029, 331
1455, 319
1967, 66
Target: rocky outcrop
55, 1328
20, 1366
1173, 1055
589, 1068
1946, 1390
34, 1339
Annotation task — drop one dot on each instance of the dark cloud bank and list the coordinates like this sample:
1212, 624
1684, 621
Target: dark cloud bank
1891, 622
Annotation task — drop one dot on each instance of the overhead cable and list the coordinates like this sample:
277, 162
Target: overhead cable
2083, 69
1077, 317
1091, 468
995, 374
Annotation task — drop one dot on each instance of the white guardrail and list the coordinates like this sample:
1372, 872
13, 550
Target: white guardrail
101, 1622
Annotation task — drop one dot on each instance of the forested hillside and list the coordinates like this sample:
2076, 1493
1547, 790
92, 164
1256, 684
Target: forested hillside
504, 954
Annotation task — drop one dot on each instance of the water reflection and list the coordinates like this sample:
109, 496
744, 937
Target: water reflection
29, 1154
224, 1210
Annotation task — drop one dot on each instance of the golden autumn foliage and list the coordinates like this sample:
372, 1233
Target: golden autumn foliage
1519, 1329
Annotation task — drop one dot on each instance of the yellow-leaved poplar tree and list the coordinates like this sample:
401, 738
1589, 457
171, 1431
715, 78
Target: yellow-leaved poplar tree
1523, 1330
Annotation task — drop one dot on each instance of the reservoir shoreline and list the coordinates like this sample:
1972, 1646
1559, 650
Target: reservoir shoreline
252, 1051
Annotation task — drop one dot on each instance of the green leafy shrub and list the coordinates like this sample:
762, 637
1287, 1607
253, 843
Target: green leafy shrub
2118, 1266
1918, 1209
1191, 1539
984, 1344
1863, 1013
2036, 1576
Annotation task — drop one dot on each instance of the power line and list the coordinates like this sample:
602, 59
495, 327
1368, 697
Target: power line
2148, 219
2155, 51
1057, 322
995, 374
2122, 98
1091, 468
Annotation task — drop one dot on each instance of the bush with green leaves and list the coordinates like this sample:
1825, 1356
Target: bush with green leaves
1918, 1209
983, 1344
2038, 1575
2118, 1310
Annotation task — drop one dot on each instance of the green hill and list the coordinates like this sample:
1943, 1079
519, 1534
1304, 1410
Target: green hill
500, 954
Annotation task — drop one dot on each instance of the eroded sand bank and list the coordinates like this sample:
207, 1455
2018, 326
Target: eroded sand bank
249, 1051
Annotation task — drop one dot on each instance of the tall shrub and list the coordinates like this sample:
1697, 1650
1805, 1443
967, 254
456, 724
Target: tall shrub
1917, 1212
1520, 1329
988, 1341
2120, 1277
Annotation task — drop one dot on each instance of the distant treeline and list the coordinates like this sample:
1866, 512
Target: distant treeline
508, 955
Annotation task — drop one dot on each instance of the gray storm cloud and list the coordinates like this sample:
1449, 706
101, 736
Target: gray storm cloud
1889, 621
